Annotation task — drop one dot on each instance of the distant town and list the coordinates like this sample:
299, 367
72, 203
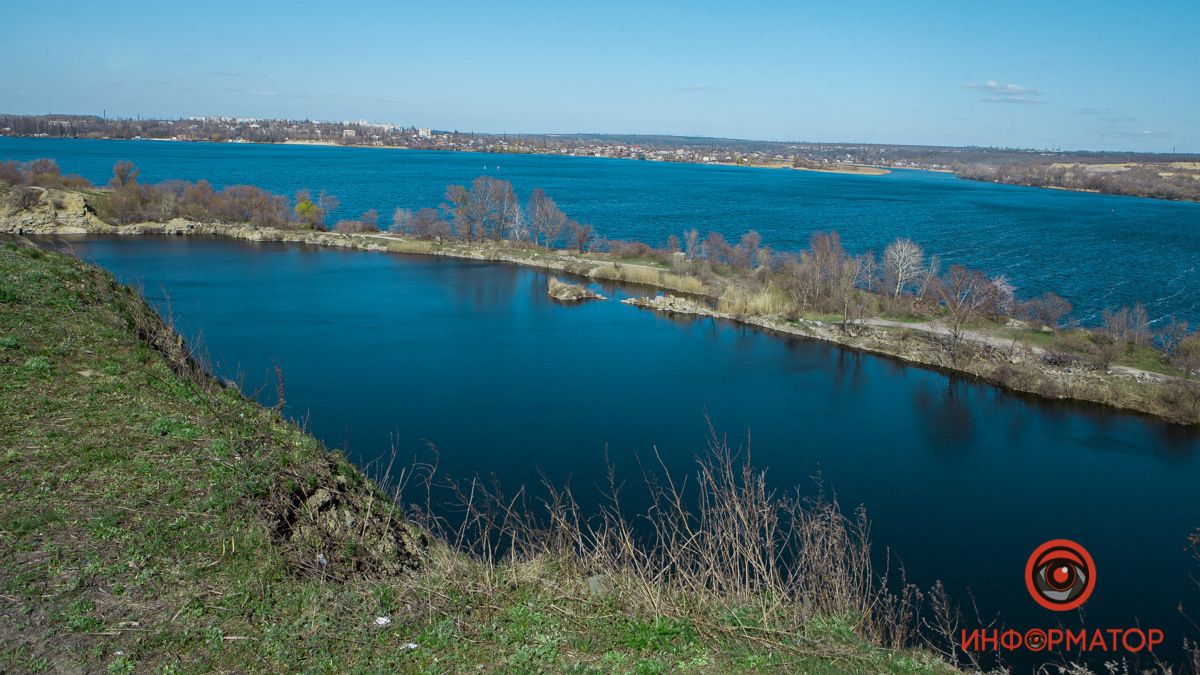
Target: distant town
1168, 176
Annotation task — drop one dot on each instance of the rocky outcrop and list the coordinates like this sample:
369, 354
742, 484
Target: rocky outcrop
53, 212
337, 527
673, 304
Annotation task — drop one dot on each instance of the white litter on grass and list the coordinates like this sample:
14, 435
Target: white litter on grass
411, 646
383, 621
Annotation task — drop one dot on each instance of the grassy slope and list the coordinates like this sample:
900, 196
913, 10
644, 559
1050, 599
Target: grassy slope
139, 528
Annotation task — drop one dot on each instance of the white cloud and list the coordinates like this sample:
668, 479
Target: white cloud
1002, 92
1144, 133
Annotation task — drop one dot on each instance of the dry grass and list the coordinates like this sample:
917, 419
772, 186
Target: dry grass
743, 301
398, 245
717, 548
646, 276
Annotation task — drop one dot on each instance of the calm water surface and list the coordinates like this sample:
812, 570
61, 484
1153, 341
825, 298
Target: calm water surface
1097, 250
961, 480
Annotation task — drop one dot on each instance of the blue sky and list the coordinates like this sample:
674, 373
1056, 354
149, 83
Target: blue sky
1078, 75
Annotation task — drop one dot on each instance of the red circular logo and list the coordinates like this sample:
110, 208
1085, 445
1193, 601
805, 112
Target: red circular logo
1060, 575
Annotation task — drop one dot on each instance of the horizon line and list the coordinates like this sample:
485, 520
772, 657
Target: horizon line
1017, 149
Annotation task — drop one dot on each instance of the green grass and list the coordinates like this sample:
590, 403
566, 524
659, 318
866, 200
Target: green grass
628, 260
138, 533
1146, 358
1135, 356
412, 246
823, 318
905, 318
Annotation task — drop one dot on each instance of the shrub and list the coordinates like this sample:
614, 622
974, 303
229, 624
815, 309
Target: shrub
367, 222
22, 198
41, 173
1187, 355
10, 173
1048, 310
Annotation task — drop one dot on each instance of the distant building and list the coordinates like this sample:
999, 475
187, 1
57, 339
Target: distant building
424, 133
348, 133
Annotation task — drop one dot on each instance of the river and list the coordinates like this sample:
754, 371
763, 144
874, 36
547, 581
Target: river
961, 480
1099, 251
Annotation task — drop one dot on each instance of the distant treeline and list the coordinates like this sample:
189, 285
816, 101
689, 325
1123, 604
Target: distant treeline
280, 130
1138, 180
749, 276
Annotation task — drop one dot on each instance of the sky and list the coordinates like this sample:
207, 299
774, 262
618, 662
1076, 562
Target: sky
1058, 75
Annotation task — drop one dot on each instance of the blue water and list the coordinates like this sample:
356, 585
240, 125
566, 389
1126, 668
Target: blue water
1097, 250
961, 480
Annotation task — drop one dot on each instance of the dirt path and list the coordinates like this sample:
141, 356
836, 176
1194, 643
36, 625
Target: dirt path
1002, 344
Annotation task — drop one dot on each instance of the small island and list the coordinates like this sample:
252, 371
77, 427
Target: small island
571, 293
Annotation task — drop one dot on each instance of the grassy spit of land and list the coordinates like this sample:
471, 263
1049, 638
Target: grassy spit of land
1157, 179
951, 322
151, 518
839, 167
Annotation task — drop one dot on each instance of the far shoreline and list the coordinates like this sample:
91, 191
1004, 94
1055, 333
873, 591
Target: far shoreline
857, 170
883, 170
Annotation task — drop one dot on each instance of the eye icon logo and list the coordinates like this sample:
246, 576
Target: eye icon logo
1060, 575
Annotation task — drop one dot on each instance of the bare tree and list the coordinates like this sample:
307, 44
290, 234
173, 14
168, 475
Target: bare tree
516, 225
967, 296
828, 260
1006, 296
457, 209
1128, 324
428, 224
370, 218
1139, 326
1187, 355
10, 173
581, 234
766, 258
327, 202
715, 248
546, 218
800, 280
489, 207
505, 206
932, 270
1169, 337
846, 288
744, 255
124, 173
1105, 349
401, 221
691, 243
870, 270
1049, 309
902, 263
